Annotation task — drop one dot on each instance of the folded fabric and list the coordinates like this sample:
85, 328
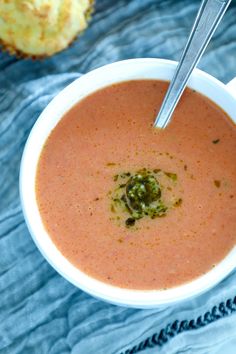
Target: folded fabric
40, 312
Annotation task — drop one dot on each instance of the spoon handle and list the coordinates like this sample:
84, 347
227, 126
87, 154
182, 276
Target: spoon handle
206, 22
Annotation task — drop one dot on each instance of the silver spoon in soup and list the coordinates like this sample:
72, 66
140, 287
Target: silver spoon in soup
205, 24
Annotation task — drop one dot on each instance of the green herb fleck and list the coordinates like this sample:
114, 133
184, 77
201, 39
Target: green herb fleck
178, 202
130, 222
216, 141
126, 174
115, 178
158, 211
171, 175
217, 183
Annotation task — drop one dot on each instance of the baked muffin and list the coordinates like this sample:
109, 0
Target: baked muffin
41, 28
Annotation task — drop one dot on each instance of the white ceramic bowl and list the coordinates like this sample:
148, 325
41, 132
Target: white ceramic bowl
223, 95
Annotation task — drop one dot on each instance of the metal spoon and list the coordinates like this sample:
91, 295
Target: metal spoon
205, 24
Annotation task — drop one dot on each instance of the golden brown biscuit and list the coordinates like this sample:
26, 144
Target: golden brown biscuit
40, 28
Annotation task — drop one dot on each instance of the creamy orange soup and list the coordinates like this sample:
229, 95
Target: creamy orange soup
91, 161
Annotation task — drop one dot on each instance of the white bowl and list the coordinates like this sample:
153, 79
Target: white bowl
161, 69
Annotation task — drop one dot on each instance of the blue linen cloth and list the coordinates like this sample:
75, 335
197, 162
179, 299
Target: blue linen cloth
40, 312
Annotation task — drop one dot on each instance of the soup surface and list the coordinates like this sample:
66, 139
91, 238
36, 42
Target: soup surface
88, 186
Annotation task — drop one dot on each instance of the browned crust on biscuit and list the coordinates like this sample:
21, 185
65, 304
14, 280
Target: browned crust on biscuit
19, 54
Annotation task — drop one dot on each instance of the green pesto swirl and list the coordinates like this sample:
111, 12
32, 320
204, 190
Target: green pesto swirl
140, 195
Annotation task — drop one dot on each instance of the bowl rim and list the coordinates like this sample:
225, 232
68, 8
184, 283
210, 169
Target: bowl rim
41, 130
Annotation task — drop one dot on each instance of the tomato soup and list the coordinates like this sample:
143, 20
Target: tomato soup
134, 206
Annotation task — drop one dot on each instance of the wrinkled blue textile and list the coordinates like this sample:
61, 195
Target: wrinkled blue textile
42, 313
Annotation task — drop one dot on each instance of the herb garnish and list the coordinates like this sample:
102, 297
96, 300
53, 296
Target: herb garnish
171, 175
178, 202
111, 164
216, 141
140, 194
217, 183
130, 222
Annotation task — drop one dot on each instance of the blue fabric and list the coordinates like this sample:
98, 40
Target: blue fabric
40, 312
